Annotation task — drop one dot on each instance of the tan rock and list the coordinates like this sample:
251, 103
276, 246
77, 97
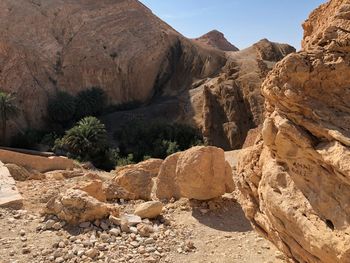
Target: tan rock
151, 165
18, 173
198, 173
22, 174
136, 181
76, 206
93, 188
114, 191
150, 209
295, 184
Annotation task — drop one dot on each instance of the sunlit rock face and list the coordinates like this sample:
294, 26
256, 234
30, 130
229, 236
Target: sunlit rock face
294, 183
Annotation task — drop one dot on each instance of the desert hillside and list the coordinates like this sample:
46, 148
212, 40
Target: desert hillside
123, 141
119, 46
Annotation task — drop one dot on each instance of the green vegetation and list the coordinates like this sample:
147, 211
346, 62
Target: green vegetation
74, 130
8, 110
85, 140
155, 139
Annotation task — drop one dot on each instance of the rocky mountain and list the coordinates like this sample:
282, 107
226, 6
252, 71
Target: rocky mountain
119, 46
294, 183
224, 107
123, 48
216, 39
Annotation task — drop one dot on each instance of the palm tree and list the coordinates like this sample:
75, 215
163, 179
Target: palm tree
8, 110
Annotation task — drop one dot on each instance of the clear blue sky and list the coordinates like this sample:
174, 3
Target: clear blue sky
243, 22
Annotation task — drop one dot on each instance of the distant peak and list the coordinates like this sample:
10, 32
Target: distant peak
216, 39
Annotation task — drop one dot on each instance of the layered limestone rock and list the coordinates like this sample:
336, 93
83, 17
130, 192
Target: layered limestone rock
199, 173
216, 39
119, 46
294, 183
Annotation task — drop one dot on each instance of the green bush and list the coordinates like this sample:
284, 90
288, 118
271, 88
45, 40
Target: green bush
155, 139
61, 108
86, 141
90, 102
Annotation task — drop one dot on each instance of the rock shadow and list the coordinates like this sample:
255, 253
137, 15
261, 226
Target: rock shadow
223, 215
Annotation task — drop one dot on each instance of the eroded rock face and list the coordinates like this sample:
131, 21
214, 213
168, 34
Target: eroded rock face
295, 183
93, 43
225, 108
199, 173
76, 206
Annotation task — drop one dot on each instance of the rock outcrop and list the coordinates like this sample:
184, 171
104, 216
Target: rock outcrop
216, 39
93, 43
225, 108
76, 206
199, 173
294, 183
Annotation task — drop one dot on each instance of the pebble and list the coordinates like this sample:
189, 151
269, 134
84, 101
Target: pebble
92, 253
115, 232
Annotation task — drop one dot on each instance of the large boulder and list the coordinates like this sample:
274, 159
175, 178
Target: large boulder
294, 183
93, 188
198, 173
136, 181
76, 206
151, 165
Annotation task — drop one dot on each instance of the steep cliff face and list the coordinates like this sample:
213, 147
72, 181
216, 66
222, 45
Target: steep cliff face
228, 106
295, 182
120, 46
216, 39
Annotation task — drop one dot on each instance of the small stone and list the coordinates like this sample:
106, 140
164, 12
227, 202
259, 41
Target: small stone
49, 224
57, 226
133, 230
103, 236
92, 253
22, 232
135, 244
149, 241
115, 231
59, 260
115, 220
151, 260
125, 226
132, 220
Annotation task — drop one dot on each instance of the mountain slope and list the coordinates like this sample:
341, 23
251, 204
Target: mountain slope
119, 45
